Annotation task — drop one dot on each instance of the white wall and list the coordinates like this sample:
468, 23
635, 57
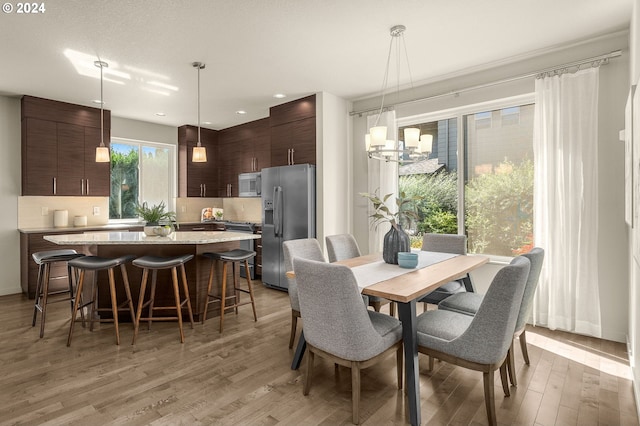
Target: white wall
334, 193
143, 131
10, 184
614, 79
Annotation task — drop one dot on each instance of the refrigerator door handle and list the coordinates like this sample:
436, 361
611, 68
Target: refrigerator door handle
277, 211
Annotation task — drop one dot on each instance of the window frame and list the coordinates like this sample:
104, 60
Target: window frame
173, 171
459, 113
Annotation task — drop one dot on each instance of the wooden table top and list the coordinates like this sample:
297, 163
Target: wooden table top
418, 282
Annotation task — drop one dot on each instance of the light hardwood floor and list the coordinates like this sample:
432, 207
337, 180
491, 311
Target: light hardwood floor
243, 377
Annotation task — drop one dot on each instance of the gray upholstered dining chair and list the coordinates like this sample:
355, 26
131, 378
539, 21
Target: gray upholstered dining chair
446, 243
344, 246
338, 326
306, 248
469, 303
480, 342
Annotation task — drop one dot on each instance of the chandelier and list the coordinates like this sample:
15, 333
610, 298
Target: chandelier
379, 144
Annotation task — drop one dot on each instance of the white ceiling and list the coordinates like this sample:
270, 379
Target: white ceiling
256, 48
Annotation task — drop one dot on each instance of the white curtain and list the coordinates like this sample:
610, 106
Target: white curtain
383, 177
566, 199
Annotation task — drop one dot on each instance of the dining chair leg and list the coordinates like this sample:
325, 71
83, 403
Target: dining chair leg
392, 309
307, 374
511, 365
523, 346
355, 391
504, 379
489, 397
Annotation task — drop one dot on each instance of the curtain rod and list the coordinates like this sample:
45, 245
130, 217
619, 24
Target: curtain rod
594, 61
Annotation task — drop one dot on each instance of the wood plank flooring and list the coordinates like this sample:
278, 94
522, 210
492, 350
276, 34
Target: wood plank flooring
243, 377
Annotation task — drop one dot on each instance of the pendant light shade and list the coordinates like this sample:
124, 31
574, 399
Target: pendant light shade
199, 151
102, 151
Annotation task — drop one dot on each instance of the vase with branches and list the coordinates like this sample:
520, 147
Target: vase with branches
396, 240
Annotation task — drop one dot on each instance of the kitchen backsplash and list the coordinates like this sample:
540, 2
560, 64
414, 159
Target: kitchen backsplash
38, 212
237, 209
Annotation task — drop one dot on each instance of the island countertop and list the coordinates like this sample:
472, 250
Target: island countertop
139, 238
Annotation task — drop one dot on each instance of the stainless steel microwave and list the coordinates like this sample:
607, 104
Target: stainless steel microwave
249, 184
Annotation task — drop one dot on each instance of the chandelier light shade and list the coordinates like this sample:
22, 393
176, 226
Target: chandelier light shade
102, 151
378, 135
378, 143
426, 143
199, 151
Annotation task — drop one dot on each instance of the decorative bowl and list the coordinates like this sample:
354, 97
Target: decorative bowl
407, 260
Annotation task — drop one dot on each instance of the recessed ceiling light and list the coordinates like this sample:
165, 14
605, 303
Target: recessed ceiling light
241, 112
206, 122
160, 114
97, 101
279, 95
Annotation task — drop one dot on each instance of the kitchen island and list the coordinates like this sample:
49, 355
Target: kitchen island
114, 244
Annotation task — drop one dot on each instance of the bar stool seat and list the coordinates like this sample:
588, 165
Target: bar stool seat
154, 264
44, 260
95, 264
234, 257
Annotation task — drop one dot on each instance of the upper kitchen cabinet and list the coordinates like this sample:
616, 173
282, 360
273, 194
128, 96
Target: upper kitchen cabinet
243, 148
293, 132
197, 179
58, 149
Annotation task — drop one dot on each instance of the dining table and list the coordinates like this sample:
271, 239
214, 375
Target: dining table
405, 286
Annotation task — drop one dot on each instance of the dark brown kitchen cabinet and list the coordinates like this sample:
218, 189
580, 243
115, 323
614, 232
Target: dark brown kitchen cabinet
244, 148
293, 132
58, 149
197, 179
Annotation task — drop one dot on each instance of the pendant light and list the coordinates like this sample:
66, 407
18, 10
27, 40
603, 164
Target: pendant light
102, 151
199, 151
378, 143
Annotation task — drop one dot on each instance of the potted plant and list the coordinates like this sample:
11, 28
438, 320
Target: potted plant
157, 220
396, 240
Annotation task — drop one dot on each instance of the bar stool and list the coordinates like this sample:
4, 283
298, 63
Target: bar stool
95, 264
154, 264
44, 260
234, 257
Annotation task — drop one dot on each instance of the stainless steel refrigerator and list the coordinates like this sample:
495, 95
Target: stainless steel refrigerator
288, 213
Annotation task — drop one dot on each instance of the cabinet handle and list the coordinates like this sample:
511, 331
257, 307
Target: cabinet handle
289, 157
87, 187
201, 190
197, 229
292, 162
81, 186
54, 186
204, 189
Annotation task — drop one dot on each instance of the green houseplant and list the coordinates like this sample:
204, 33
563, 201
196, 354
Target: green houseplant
157, 220
396, 240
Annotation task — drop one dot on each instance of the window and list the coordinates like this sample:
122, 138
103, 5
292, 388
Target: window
140, 172
484, 153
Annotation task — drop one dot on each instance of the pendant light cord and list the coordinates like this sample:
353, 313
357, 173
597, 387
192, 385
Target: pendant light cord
101, 107
199, 67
